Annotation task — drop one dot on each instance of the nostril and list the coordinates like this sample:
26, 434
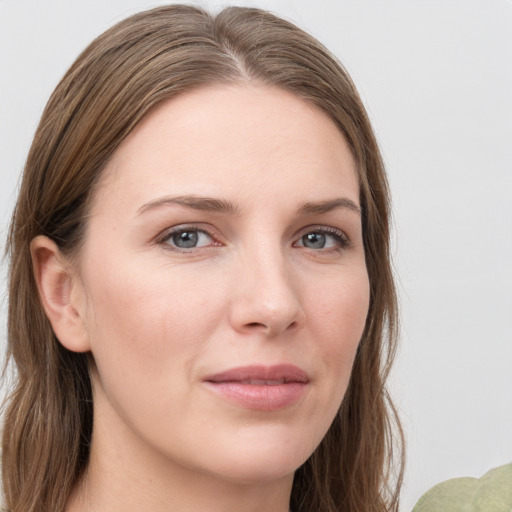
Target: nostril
255, 324
292, 326
259, 325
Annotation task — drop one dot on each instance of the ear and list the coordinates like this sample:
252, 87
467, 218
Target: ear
61, 294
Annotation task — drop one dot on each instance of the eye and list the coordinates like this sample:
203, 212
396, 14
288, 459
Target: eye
323, 238
184, 238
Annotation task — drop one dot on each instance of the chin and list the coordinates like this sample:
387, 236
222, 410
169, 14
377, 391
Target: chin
258, 472
252, 461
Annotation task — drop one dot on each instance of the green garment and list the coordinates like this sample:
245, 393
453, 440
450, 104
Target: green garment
491, 493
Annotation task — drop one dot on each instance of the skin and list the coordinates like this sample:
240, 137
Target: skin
157, 319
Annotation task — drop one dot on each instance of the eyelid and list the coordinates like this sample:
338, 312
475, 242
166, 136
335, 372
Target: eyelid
339, 234
166, 234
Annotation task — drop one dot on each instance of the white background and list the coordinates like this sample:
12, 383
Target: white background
436, 77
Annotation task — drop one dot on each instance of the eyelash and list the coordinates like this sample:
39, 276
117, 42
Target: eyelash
341, 240
166, 237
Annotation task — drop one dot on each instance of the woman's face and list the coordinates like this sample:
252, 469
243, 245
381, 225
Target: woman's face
223, 284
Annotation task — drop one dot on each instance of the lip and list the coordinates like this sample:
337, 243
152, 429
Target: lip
262, 388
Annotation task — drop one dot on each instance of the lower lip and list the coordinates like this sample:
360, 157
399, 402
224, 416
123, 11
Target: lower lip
260, 398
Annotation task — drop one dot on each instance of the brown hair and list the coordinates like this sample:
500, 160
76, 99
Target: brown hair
141, 61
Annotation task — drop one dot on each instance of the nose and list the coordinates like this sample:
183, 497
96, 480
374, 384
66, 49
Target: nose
266, 298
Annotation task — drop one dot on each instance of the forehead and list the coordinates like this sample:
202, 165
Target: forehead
244, 141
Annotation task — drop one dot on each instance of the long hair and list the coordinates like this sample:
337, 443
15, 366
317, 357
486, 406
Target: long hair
140, 62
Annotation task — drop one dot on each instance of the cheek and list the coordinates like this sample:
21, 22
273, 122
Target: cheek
152, 322
339, 315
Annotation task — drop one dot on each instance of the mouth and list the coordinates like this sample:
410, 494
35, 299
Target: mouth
262, 388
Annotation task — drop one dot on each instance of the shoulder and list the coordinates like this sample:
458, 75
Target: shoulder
490, 493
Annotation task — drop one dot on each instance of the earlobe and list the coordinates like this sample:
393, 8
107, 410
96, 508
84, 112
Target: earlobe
59, 293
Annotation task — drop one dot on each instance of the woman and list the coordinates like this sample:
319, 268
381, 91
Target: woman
202, 313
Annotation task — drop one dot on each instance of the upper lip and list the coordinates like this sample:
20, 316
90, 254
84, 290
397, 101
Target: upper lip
260, 374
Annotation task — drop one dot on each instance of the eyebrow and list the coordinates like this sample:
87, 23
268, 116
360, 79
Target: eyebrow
327, 206
210, 204
205, 204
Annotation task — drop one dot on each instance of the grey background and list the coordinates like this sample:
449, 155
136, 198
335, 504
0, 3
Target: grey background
436, 77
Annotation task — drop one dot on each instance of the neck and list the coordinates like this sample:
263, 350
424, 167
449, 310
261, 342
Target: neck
113, 494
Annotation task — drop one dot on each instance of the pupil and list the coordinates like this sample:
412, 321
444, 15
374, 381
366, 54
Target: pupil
185, 239
314, 240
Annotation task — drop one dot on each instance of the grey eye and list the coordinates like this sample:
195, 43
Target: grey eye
323, 238
314, 240
188, 239
185, 239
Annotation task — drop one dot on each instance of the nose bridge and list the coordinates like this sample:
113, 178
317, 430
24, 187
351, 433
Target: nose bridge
267, 299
